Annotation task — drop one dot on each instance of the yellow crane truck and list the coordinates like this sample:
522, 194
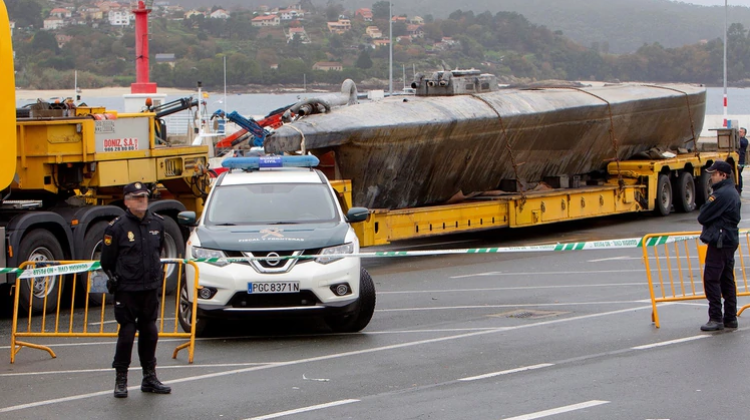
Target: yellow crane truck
61, 178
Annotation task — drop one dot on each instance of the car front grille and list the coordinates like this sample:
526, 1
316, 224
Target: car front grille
273, 300
265, 264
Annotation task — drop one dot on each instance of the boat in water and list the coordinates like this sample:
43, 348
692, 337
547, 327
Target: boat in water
462, 134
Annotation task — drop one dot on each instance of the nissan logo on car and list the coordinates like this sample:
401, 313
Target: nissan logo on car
273, 259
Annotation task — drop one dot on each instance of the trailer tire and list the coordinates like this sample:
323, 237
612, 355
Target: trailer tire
40, 245
684, 188
663, 196
702, 188
357, 320
92, 250
174, 247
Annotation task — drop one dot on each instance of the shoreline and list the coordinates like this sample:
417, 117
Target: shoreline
34, 94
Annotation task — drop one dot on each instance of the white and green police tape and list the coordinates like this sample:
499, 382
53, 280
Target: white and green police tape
52, 270
629, 243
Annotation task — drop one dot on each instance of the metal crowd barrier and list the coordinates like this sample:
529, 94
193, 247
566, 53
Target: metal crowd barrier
675, 269
72, 323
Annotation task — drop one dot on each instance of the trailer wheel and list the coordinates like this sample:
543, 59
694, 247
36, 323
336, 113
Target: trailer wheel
357, 320
92, 250
684, 188
703, 188
663, 196
174, 247
40, 245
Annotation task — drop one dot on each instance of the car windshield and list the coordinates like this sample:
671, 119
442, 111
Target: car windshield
268, 204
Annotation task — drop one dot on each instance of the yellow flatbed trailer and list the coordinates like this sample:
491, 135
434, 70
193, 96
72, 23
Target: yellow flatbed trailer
630, 187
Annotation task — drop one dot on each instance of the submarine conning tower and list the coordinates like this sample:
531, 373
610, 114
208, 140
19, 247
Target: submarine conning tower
454, 82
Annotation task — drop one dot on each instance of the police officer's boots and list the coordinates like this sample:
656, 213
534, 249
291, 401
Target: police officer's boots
151, 383
121, 383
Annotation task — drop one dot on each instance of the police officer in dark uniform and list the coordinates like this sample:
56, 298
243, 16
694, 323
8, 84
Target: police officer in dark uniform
720, 217
743, 153
131, 256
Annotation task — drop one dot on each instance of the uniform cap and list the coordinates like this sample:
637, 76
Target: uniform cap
720, 166
135, 189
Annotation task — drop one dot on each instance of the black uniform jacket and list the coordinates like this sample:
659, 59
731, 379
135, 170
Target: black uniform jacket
720, 216
132, 250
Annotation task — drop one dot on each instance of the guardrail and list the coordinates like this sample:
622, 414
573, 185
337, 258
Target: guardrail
675, 268
78, 324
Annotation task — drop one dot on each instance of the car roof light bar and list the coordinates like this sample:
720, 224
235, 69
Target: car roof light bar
262, 162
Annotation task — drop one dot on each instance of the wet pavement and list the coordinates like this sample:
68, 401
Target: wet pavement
564, 335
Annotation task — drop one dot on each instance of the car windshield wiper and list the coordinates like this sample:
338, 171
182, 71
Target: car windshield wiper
284, 223
225, 224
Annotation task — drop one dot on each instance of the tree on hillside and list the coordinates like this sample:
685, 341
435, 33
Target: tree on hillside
333, 11
364, 61
240, 27
738, 48
432, 31
470, 47
162, 75
399, 29
291, 71
44, 41
194, 21
241, 70
381, 10
184, 73
25, 13
336, 41
450, 27
307, 5
456, 15
485, 19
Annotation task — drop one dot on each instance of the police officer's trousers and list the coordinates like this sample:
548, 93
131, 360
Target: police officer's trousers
136, 311
718, 282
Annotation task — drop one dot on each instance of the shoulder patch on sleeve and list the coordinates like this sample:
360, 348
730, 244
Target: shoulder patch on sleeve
711, 198
107, 240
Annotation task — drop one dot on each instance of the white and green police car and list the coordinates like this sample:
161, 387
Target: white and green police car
273, 242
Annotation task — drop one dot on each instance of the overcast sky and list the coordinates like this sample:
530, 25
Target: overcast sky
718, 2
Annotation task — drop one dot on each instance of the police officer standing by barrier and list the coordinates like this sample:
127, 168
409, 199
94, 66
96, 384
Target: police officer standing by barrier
741, 162
720, 217
131, 257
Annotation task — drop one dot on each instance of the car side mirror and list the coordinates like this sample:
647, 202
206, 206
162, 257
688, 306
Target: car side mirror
186, 218
357, 214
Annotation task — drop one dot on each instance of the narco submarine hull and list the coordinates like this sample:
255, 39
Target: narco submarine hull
462, 134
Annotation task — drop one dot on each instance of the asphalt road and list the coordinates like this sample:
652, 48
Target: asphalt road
502, 336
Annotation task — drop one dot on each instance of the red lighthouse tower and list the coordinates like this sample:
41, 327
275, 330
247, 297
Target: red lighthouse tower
141, 85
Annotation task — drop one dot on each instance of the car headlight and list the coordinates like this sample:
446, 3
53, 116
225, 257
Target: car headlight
209, 253
335, 252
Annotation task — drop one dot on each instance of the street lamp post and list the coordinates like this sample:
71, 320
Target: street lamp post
726, 18
390, 48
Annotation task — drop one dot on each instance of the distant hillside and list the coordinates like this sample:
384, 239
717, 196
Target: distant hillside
623, 25
504, 43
